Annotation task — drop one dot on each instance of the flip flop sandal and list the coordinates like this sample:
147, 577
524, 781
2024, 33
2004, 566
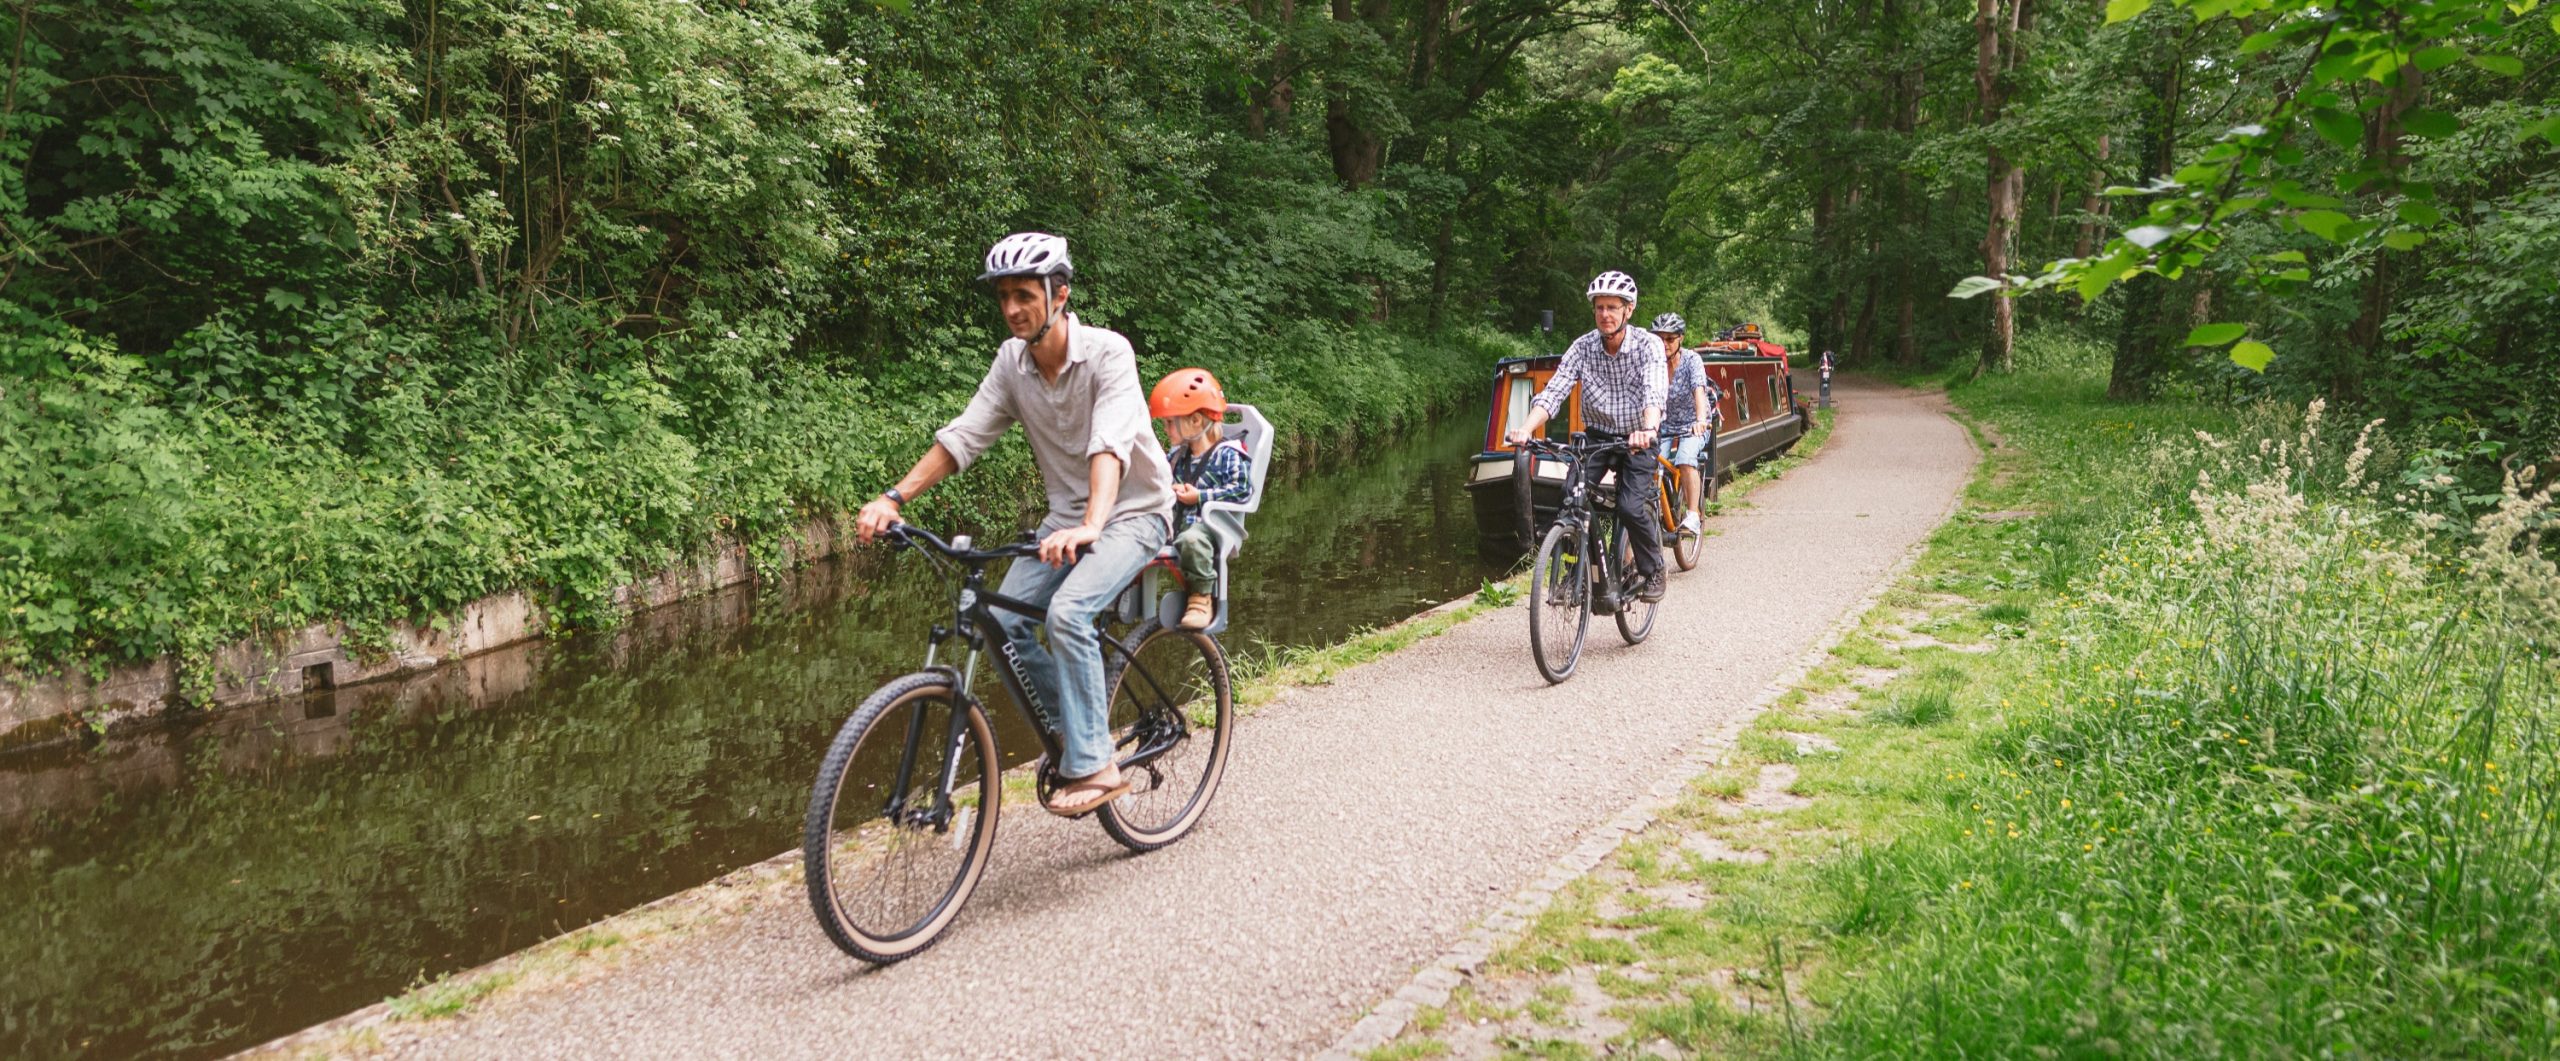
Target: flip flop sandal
1107, 793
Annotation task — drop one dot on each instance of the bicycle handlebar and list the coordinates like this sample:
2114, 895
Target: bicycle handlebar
909, 534
1575, 447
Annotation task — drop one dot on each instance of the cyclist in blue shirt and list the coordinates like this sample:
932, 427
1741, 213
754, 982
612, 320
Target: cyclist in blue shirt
1685, 416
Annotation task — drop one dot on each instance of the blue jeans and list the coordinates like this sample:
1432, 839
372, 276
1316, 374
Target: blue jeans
1066, 675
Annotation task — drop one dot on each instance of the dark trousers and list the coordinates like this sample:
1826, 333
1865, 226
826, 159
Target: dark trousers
1635, 503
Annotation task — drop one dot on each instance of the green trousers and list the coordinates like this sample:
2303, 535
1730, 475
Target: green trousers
1197, 547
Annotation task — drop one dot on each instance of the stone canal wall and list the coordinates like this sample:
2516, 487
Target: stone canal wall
42, 708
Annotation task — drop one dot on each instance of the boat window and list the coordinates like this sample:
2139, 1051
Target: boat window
1741, 403
1515, 405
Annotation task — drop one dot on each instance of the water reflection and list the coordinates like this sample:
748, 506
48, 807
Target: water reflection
194, 890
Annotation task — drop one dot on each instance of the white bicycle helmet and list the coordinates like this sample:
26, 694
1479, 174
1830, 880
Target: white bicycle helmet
1029, 254
1613, 282
1670, 322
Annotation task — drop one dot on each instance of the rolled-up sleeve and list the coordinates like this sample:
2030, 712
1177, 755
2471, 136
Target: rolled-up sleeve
1657, 378
1119, 409
982, 423
1551, 399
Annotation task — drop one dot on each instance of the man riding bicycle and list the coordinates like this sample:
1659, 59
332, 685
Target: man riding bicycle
1074, 389
1624, 378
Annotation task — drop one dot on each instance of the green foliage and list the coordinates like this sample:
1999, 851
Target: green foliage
2277, 773
332, 309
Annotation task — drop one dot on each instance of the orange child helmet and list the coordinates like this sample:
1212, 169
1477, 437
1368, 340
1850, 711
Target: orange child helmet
1189, 390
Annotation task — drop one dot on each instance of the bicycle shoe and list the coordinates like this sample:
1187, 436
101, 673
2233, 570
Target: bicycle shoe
1655, 587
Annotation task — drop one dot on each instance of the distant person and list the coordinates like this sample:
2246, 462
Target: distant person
1624, 384
1074, 389
1206, 467
1684, 413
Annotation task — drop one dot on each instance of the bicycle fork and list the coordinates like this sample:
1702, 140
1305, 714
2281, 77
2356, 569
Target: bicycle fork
954, 744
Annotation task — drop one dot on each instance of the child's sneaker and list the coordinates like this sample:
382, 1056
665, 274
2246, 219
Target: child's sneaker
1199, 612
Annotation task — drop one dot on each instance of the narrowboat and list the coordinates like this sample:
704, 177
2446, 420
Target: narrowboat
1761, 418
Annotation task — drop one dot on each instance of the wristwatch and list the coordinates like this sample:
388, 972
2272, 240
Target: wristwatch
894, 496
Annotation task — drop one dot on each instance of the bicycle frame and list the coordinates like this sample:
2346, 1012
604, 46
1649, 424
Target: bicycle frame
1580, 506
974, 621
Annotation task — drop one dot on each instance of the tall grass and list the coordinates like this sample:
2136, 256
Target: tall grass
2280, 780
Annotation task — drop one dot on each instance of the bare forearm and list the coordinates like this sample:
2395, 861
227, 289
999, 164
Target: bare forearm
1105, 471
936, 465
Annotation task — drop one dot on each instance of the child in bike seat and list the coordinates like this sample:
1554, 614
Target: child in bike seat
1206, 467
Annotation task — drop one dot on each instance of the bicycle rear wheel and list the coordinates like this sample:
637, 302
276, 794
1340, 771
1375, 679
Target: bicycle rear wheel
889, 861
1559, 602
1172, 717
1686, 546
1635, 614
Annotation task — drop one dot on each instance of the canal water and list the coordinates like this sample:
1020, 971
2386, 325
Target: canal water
192, 890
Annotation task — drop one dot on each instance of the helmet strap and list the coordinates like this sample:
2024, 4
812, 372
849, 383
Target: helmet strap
1048, 290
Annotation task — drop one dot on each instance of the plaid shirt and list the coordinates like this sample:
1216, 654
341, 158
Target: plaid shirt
1616, 388
1222, 474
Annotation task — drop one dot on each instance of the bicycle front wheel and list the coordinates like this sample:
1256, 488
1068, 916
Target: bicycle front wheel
1635, 614
1172, 717
889, 853
1559, 602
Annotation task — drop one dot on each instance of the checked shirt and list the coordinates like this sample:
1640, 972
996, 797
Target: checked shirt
1616, 388
1222, 474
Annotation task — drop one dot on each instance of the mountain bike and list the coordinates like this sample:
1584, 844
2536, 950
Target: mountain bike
1585, 564
1686, 546
903, 814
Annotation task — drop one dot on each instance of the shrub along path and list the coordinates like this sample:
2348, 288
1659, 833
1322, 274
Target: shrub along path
1363, 827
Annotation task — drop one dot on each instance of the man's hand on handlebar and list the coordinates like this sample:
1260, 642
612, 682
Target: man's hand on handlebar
1061, 548
1640, 439
875, 519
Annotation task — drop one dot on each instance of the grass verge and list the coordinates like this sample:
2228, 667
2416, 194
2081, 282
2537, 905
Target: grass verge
2169, 745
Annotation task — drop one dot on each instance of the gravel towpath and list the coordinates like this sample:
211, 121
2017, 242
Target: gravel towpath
1363, 826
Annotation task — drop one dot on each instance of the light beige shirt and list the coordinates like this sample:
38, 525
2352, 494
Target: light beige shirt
1096, 406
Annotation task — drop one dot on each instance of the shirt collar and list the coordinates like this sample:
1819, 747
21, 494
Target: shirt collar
1077, 350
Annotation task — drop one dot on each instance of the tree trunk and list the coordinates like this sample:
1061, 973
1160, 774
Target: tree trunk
1999, 345
1862, 342
1284, 87
2095, 205
1357, 152
1907, 84
1818, 317
2142, 335
2382, 148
